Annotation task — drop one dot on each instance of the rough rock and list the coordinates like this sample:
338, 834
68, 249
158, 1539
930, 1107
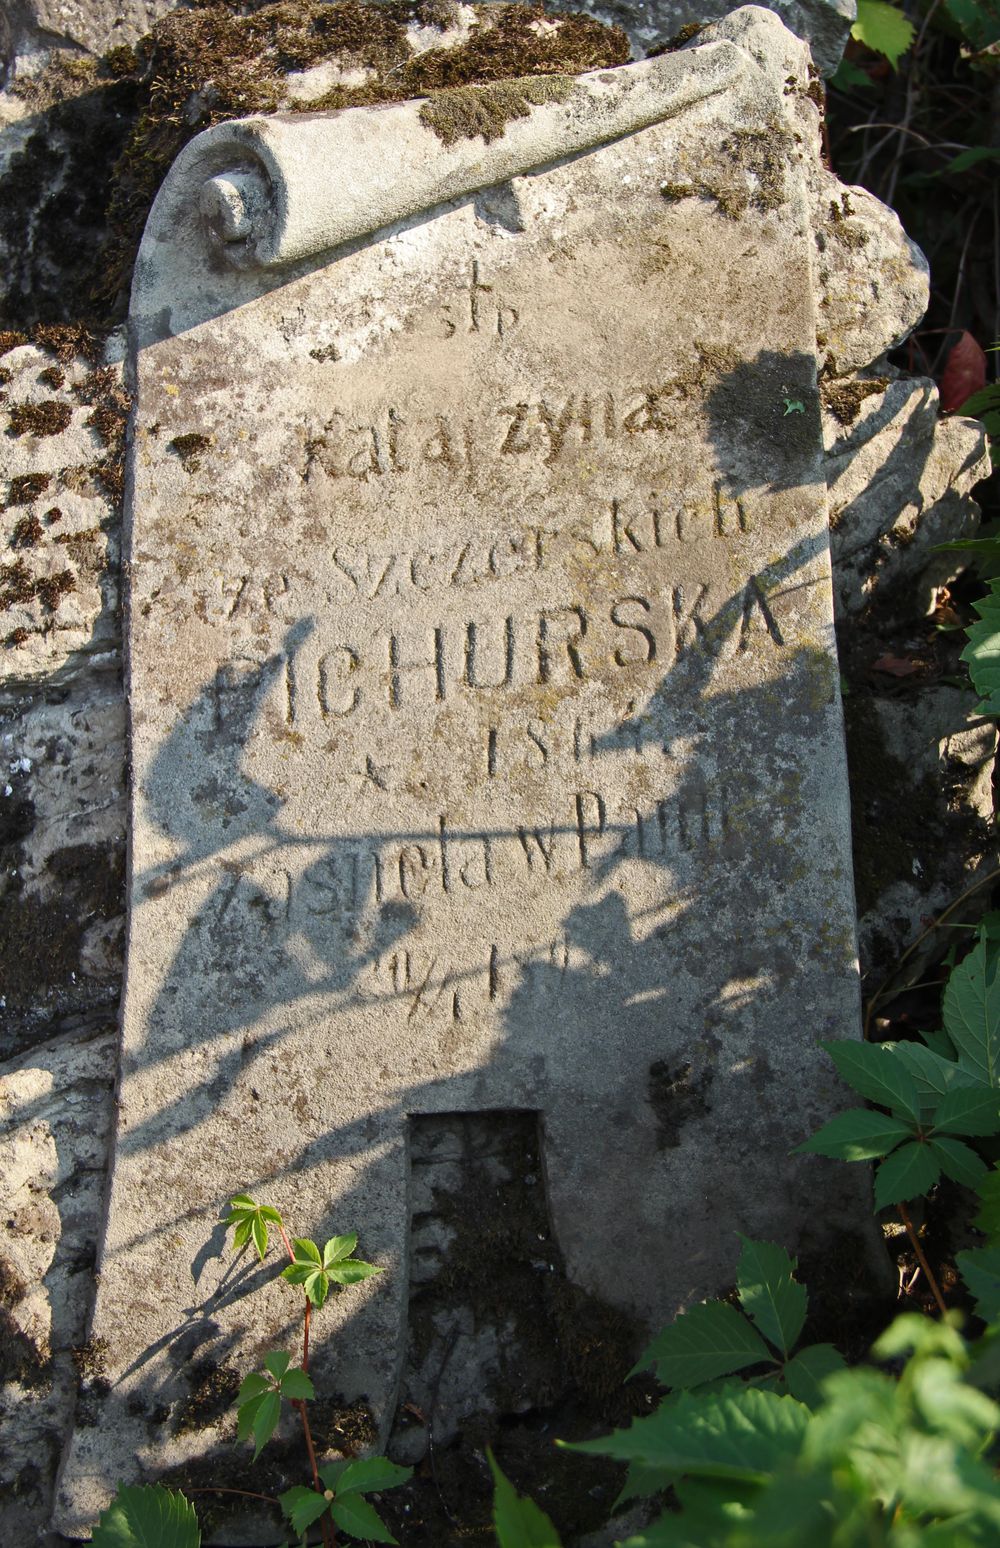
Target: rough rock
824, 24
93, 25
900, 481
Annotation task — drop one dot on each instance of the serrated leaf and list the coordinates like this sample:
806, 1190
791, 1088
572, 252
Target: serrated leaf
769, 1294
934, 1074
741, 1433
972, 997
277, 1362
331, 1472
242, 1201
706, 1341
857, 1135
254, 1385
302, 1506
317, 1287
957, 1161
297, 1385
351, 1271
147, 1516
642, 1481
298, 1273
372, 1473
268, 1212
339, 1247
876, 1072
908, 1172
805, 1373
518, 1521
247, 1413
988, 1218
969, 1110
241, 1234
884, 29
980, 1268
265, 1421
356, 1515
306, 1251
259, 1232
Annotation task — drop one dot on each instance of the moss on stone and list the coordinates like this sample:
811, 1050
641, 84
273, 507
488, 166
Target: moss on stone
48, 418
844, 399
467, 111
107, 139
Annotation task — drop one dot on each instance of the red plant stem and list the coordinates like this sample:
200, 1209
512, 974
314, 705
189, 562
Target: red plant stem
329, 1536
904, 1215
326, 1525
246, 1494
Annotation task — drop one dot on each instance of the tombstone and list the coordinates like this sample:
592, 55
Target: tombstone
486, 737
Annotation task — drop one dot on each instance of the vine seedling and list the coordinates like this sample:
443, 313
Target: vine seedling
153, 1517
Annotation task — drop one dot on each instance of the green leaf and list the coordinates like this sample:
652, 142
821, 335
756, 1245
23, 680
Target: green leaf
277, 1362
805, 1374
298, 1273
740, 1433
769, 1294
909, 1171
978, 23
302, 1506
351, 1271
848, 74
317, 1287
242, 1202
254, 1385
298, 1386
961, 163
972, 997
884, 29
986, 399
704, 1342
247, 1413
265, 1421
642, 1481
306, 1251
957, 1161
876, 1072
339, 1247
518, 1520
259, 1232
969, 1110
355, 1515
147, 1516
988, 1218
980, 1268
857, 1135
241, 1234
371, 1473
934, 1074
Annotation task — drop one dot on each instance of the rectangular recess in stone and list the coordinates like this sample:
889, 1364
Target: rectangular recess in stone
486, 738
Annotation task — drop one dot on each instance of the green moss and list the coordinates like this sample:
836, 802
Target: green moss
468, 111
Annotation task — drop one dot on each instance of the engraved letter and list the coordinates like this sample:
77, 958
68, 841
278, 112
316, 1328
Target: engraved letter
397, 666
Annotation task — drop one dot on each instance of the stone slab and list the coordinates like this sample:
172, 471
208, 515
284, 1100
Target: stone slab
486, 740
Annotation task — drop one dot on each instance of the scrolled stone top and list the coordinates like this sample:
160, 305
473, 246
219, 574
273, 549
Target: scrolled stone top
249, 202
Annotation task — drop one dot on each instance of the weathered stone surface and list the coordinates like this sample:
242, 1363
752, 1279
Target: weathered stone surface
96, 25
824, 24
899, 480
487, 746
55, 1115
